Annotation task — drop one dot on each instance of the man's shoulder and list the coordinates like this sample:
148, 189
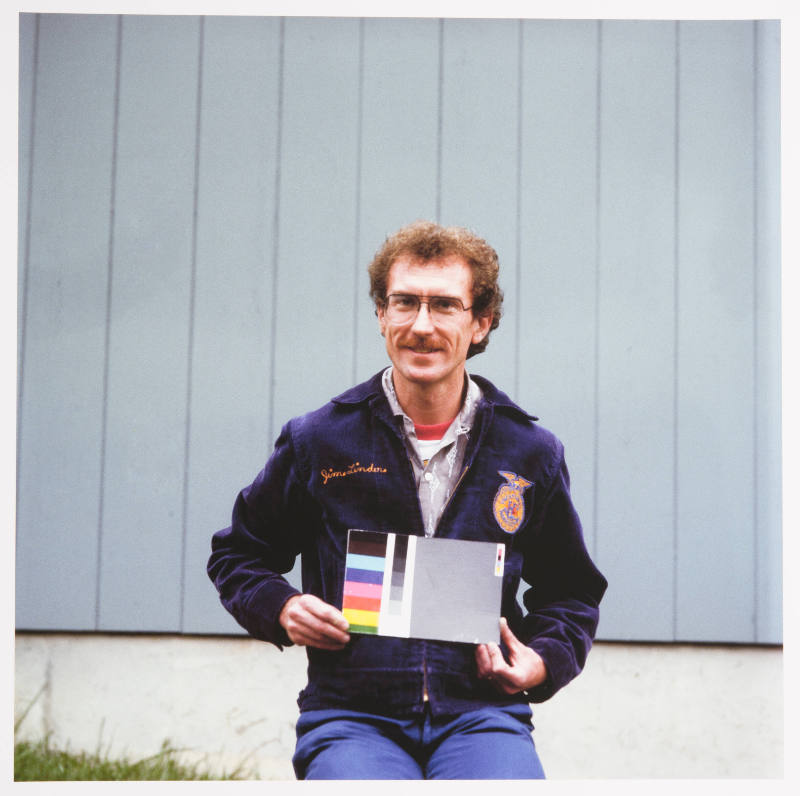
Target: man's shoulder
498, 398
360, 395
512, 419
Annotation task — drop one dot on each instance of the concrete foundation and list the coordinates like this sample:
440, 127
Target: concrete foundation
637, 711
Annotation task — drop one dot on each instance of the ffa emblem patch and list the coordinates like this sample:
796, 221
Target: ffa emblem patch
509, 505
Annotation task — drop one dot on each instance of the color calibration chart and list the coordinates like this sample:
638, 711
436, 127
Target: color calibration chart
419, 587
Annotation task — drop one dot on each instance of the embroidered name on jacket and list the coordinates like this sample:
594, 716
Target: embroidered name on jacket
509, 504
355, 467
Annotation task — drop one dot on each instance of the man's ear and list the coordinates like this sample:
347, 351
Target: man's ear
381, 319
484, 324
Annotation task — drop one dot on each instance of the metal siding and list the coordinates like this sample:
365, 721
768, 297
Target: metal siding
716, 446
141, 563
317, 137
558, 220
636, 328
315, 326
27, 65
231, 356
768, 573
480, 158
399, 152
64, 326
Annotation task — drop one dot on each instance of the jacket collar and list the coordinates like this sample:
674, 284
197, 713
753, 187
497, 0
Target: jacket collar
499, 398
371, 389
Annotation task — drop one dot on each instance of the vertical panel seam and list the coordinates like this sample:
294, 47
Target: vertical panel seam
756, 298
676, 336
276, 223
192, 301
597, 263
357, 235
107, 330
27, 249
518, 240
440, 124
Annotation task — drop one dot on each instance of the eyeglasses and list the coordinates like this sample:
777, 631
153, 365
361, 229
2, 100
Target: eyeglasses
403, 308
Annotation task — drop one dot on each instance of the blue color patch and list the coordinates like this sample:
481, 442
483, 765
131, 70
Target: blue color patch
365, 562
363, 575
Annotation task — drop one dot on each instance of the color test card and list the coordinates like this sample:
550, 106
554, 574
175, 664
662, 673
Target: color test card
420, 587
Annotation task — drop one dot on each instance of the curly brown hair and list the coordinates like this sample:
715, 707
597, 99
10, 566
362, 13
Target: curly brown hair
425, 240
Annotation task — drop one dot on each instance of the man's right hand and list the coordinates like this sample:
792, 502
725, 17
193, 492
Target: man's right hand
309, 621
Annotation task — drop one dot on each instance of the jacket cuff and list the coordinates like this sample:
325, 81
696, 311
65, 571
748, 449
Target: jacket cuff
265, 608
560, 669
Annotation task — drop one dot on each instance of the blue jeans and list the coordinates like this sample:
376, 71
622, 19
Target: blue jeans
489, 743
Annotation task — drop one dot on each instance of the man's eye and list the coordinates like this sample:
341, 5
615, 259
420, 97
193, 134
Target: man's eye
445, 305
404, 302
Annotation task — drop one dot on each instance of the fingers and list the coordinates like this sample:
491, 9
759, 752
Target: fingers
508, 637
489, 658
312, 622
525, 669
492, 666
496, 660
502, 675
483, 661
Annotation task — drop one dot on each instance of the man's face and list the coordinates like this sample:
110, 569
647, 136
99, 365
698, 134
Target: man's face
427, 350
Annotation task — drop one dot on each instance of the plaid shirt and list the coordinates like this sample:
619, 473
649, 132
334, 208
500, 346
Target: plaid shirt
438, 476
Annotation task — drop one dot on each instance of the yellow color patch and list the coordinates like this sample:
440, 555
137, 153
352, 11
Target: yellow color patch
356, 617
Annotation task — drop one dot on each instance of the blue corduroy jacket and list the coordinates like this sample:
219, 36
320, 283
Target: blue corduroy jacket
345, 466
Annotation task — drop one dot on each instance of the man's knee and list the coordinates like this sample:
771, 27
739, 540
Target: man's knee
331, 746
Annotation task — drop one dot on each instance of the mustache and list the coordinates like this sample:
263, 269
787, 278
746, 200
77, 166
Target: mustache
422, 345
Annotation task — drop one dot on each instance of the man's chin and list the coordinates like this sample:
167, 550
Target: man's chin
424, 372
422, 352
422, 362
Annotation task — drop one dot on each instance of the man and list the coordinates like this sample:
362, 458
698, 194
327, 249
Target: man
421, 448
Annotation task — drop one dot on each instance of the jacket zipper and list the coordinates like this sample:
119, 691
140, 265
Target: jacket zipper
413, 482
452, 494
424, 647
424, 673
422, 525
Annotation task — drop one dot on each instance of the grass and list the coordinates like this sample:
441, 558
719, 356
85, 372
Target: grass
39, 761
36, 761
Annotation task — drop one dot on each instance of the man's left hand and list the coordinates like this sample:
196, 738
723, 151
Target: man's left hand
524, 670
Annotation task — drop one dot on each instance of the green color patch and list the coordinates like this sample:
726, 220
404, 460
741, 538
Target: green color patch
363, 629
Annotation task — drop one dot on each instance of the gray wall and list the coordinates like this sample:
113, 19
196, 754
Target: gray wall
199, 198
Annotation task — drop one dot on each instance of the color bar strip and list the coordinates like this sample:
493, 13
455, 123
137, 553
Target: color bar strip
363, 576
366, 562
367, 542
356, 589
356, 617
365, 547
363, 629
362, 603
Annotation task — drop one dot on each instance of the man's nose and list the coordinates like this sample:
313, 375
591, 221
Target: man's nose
423, 323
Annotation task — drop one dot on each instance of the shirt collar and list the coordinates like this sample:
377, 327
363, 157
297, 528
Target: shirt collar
463, 420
